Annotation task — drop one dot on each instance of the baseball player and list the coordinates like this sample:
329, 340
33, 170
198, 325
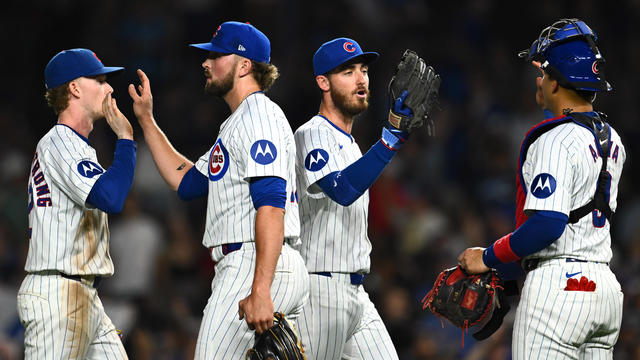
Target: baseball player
569, 170
69, 196
340, 320
248, 176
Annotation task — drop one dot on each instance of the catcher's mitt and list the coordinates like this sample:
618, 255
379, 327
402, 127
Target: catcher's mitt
279, 342
422, 84
469, 300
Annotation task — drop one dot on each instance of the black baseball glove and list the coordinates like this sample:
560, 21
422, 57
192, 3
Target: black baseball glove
469, 300
279, 342
414, 86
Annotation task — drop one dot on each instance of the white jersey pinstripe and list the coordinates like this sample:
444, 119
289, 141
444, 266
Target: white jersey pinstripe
334, 237
66, 235
340, 321
256, 140
257, 129
553, 322
569, 154
64, 318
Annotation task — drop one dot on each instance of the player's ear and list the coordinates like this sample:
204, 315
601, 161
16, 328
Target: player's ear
74, 88
323, 82
244, 66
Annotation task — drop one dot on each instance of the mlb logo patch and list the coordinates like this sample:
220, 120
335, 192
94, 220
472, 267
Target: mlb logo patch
218, 161
263, 152
89, 169
543, 185
316, 159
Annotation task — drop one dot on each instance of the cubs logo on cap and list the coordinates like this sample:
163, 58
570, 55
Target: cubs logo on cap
543, 186
238, 38
263, 152
218, 161
337, 52
316, 159
89, 169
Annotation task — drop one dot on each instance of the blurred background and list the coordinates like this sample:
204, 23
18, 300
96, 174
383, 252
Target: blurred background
439, 195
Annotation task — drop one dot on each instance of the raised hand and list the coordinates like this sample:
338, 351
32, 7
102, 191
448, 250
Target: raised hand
116, 120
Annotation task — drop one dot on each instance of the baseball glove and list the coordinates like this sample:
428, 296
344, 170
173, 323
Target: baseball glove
279, 342
421, 84
469, 300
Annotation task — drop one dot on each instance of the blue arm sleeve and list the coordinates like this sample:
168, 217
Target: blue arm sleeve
193, 185
346, 186
268, 190
539, 231
111, 189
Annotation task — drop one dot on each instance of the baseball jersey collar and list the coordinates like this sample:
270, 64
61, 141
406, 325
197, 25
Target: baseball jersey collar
336, 126
77, 133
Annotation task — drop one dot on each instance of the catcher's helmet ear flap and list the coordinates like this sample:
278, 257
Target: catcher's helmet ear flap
567, 51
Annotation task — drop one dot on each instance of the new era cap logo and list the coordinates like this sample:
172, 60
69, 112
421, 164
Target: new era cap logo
241, 48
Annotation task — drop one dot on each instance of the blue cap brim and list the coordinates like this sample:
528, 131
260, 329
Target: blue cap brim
106, 70
210, 47
366, 58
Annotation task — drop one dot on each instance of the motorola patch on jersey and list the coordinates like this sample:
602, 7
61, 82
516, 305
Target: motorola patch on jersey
263, 152
218, 161
316, 159
89, 169
543, 185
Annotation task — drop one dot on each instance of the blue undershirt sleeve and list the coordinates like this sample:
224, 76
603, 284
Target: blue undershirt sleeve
110, 190
193, 185
539, 231
268, 190
346, 186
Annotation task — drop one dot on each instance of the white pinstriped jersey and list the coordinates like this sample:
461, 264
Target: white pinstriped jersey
560, 173
65, 234
255, 141
334, 237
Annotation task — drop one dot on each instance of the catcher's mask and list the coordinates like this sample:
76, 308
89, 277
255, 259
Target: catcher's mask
567, 51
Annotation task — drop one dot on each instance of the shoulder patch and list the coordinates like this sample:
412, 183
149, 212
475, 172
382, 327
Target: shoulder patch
218, 161
316, 159
543, 185
89, 169
263, 152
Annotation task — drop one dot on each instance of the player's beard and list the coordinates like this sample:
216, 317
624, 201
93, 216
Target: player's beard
347, 103
221, 86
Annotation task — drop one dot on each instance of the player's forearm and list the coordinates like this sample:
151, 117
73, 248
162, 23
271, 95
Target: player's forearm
269, 237
170, 163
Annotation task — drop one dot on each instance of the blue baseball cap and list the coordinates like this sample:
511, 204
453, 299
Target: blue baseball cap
71, 64
238, 38
337, 52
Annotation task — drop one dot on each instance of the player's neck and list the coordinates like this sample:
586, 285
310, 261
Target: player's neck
77, 120
337, 117
241, 89
563, 108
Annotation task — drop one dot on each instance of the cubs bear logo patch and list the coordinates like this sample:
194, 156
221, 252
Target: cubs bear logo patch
218, 161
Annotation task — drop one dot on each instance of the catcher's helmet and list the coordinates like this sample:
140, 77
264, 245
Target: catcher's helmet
567, 51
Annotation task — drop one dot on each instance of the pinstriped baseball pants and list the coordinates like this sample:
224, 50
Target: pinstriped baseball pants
341, 322
64, 319
552, 323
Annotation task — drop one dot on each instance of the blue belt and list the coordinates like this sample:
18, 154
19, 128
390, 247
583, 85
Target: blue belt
531, 264
356, 278
229, 248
